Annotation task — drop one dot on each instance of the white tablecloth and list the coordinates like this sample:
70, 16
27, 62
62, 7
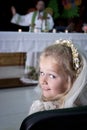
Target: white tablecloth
32, 43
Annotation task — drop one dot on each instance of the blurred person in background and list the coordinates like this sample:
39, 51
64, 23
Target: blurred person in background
37, 19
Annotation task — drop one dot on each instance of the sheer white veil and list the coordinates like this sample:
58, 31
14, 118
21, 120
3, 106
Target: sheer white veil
78, 93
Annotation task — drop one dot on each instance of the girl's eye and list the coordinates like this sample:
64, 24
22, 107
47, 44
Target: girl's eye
52, 76
41, 73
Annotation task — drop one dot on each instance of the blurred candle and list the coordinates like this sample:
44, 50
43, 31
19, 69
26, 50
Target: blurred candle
35, 30
19, 30
54, 30
66, 31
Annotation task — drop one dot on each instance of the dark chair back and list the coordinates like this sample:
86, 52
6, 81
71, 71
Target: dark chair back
61, 119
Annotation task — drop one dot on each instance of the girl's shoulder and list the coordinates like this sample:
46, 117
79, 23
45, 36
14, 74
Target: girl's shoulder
37, 103
36, 107
40, 105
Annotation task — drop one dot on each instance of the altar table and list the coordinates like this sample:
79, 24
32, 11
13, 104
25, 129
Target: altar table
34, 43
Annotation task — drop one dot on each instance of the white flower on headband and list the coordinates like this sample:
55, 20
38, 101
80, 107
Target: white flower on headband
68, 43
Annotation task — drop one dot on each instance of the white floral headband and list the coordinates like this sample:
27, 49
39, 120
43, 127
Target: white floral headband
75, 54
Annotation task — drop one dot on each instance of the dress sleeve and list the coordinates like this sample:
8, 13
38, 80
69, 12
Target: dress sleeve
36, 107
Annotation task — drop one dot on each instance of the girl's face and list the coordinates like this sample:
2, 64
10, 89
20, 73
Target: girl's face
51, 79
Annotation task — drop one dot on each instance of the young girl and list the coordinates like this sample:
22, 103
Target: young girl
62, 78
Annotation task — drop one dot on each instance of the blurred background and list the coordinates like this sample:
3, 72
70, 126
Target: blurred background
64, 12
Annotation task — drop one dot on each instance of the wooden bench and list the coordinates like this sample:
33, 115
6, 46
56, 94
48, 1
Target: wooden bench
12, 59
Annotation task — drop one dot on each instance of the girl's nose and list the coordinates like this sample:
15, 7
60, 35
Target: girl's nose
44, 79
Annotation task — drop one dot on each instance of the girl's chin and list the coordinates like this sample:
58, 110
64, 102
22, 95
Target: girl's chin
46, 95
